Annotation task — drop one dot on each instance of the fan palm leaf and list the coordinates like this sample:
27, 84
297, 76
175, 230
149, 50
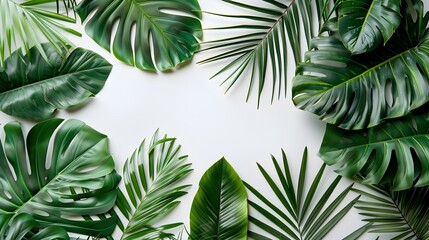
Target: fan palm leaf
31, 22
396, 151
401, 214
171, 37
356, 92
219, 209
299, 215
269, 27
33, 88
59, 175
152, 181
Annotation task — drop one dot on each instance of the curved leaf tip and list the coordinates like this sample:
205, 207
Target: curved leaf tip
219, 209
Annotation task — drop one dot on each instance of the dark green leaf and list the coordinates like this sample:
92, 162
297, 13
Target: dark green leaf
366, 24
395, 151
171, 38
408, 216
356, 92
58, 187
219, 209
32, 88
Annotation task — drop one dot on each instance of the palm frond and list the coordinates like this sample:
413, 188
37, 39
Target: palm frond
32, 22
403, 214
268, 27
299, 215
152, 188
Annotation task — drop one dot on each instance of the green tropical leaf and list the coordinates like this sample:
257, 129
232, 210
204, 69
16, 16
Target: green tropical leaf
267, 30
30, 22
152, 180
300, 215
32, 88
356, 92
400, 214
396, 151
170, 37
219, 209
58, 175
366, 24
20, 227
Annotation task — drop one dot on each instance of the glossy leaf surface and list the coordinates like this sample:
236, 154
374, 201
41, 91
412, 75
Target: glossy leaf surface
356, 92
60, 173
300, 214
219, 210
153, 183
168, 30
366, 24
394, 152
32, 88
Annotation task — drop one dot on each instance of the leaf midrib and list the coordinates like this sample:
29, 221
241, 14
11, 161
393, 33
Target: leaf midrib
366, 19
29, 201
398, 139
154, 24
402, 215
373, 68
147, 193
50, 79
270, 30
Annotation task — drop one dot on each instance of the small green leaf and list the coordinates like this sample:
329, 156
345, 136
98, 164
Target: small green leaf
219, 210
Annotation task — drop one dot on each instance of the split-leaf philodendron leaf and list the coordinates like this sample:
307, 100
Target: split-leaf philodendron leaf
366, 24
396, 151
172, 38
60, 173
356, 92
219, 210
32, 88
153, 187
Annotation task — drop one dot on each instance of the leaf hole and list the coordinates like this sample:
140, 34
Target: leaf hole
40, 213
7, 193
175, 12
414, 123
388, 87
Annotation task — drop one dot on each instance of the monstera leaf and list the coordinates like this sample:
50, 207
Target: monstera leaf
398, 214
396, 151
152, 180
28, 23
366, 24
32, 88
219, 209
171, 38
59, 175
362, 91
21, 226
300, 215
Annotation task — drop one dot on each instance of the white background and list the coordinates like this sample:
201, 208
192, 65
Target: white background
207, 123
